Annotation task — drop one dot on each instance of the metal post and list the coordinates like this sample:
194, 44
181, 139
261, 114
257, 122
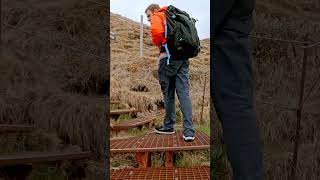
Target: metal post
141, 36
204, 92
299, 115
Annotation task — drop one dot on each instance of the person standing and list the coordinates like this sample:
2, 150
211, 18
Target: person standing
232, 86
173, 76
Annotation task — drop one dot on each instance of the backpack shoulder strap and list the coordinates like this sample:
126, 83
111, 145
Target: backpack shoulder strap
166, 44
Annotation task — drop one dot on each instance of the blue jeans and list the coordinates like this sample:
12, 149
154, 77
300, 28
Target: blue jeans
175, 77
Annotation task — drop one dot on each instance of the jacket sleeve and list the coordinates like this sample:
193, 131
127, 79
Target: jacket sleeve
157, 30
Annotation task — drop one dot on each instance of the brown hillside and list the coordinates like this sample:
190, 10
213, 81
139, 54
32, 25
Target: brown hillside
128, 70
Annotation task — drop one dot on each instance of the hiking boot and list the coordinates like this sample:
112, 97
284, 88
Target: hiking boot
188, 138
161, 130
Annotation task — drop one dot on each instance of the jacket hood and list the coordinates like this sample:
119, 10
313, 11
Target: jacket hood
162, 9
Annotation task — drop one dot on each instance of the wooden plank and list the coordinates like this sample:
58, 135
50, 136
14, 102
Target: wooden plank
133, 123
41, 157
124, 111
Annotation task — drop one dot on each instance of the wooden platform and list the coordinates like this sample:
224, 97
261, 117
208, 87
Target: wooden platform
133, 123
143, 146
161, 173
115, 114
19, 166
158, 143
41, 157
6, 128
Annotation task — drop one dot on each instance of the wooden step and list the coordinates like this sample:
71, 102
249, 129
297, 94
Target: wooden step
7, 128
153, 142
19, 166
115, 114
42, 157
133, 123
191, 173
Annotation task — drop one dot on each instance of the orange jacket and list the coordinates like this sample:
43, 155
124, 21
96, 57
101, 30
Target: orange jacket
157, 27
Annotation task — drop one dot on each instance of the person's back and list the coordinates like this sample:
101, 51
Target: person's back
173, 76
232, 85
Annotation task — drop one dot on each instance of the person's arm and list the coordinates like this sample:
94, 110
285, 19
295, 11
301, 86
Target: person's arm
219, 11
157, 30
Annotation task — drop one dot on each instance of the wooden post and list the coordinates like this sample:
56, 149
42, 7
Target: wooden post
299, 115
141, 36
143, 159
204, 92
169, 159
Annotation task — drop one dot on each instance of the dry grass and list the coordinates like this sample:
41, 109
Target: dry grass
49, 85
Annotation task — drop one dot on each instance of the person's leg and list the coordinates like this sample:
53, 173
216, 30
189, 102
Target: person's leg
232, 92
167, 83
182, 86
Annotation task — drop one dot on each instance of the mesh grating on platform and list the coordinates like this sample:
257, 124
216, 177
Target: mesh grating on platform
162, 173
156, 143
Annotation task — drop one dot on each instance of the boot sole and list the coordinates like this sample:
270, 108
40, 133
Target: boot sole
161, 132
188, 138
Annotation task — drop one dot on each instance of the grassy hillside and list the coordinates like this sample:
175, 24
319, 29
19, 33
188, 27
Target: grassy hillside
46, 83
129, 70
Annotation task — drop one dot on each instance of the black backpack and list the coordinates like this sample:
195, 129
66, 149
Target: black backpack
181, 33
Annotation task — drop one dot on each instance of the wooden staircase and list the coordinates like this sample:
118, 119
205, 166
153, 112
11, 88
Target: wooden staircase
18, 166
144, 146
134, 122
